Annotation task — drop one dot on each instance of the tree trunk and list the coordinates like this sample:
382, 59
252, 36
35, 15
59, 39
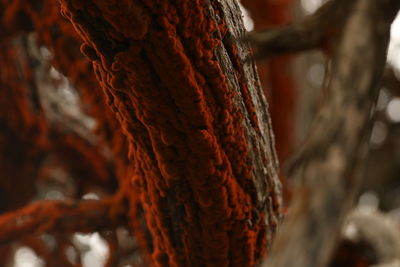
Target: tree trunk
276, 74
197, 125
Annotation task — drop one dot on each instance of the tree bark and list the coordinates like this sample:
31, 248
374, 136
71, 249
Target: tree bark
197, 124
276, 74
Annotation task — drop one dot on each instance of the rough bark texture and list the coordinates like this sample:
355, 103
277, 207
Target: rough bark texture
276, 73
197, 125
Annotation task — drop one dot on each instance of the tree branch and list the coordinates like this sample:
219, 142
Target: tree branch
62, 216
336, 144
314, 31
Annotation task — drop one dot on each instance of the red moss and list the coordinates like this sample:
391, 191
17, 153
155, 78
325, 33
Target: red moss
66, 216
26, 138
187, 142
22, 132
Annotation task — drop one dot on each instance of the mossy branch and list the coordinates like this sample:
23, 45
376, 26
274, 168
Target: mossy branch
64, 216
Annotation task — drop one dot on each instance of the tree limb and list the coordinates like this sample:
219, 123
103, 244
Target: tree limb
62, 216
315, 31
336, 144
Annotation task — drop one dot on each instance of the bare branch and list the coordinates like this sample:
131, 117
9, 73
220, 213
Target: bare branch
315, 31
61, 216
336, 144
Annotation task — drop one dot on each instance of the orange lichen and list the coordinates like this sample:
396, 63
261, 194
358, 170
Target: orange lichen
66, 216
167, 105
56, 34
22, 132
28, 142
186, 137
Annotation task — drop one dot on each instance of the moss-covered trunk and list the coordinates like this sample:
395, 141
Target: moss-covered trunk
197, 124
